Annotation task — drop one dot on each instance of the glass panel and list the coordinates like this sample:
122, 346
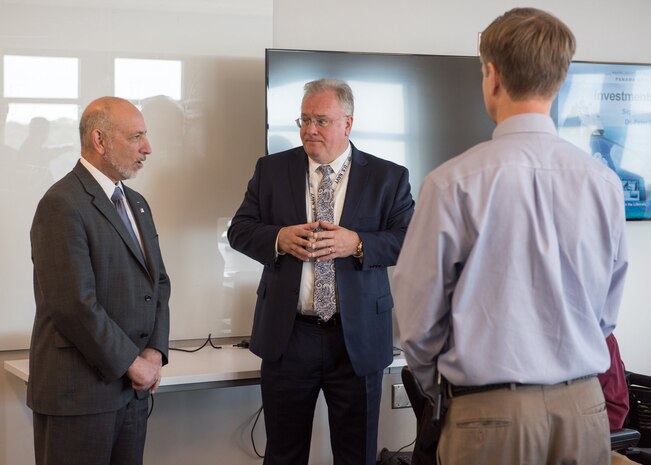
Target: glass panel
138, 79
40, 77
44, 136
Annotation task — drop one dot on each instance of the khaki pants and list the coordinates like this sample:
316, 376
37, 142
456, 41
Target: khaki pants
619, 459
528, 425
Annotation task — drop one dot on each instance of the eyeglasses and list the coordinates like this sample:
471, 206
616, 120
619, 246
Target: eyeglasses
321, 122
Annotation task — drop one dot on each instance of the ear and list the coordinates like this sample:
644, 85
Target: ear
98, 140
492, 76
349, 124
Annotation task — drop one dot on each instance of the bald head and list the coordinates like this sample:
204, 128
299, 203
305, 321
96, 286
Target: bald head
114, 137
99, 114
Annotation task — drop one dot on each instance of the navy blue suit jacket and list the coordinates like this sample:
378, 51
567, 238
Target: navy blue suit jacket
378, 206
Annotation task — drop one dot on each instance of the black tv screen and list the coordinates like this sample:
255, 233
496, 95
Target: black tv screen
415, 110
605, 108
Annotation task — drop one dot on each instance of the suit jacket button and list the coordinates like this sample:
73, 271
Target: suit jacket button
143, 335
147, 298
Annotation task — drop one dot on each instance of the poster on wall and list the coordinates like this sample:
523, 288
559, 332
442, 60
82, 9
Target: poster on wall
605, 108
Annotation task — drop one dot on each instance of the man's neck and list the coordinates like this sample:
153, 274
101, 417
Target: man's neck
507, 107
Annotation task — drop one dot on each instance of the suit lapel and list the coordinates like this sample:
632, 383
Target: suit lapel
297, 168
106, 207
145, 228
356, 181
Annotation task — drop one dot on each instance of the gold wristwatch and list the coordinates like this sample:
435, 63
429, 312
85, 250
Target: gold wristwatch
359, 252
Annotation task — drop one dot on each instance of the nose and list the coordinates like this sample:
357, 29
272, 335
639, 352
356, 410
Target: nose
310, 127
146, 148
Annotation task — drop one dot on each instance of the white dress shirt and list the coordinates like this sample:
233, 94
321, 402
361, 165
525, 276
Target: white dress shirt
305, 299
108, 187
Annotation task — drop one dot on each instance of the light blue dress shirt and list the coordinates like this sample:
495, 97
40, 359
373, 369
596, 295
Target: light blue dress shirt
513, 266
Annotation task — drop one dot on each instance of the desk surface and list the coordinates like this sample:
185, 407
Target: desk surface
206, 368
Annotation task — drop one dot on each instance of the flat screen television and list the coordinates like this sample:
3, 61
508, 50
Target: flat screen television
415, 110
605, 108
420, 110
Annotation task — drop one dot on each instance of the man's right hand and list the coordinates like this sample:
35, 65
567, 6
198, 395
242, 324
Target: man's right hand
143, 374
297, 240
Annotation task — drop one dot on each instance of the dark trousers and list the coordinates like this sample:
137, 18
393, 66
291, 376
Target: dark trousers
316, 359
112, 438
427, 434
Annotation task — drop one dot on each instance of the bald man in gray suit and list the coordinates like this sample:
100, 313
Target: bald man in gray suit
101, 329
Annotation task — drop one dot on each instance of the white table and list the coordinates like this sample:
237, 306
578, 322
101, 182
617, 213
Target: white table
205, 369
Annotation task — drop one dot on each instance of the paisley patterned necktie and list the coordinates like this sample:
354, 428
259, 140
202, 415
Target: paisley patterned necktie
325, 299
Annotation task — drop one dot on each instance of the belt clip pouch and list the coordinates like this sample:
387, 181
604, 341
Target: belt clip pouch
441, 399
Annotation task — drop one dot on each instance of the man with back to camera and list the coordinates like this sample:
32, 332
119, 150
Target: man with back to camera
513, 269
101, 329
325, 220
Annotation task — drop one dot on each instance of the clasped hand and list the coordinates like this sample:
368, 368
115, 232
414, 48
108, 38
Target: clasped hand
145, 371
330, 242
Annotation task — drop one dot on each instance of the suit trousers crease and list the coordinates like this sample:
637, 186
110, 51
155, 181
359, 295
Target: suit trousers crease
316, 360
528, 425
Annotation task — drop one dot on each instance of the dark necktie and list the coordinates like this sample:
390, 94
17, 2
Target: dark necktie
122, 211
325, 298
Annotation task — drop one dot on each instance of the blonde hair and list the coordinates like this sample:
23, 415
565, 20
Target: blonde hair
531, 49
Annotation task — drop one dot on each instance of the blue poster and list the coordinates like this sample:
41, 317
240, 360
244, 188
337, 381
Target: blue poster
605, 109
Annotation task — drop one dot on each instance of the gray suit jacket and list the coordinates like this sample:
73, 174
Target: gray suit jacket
97, 304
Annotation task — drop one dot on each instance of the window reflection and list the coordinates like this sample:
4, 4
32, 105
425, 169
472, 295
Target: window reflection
41, 77
136, 79
23, 119
40, 119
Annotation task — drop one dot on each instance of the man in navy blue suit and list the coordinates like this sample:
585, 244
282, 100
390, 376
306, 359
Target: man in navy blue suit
326, 236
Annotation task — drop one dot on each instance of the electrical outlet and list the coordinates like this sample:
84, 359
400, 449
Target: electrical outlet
399, 398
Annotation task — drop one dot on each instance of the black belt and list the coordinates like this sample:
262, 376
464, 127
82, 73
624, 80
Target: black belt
333, 322
464, 390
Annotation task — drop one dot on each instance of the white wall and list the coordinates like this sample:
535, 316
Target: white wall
211, 426
205, 141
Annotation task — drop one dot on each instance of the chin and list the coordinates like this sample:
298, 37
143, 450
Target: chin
128, 175
314, 154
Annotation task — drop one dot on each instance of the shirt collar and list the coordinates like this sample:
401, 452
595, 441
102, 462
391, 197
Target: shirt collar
335, 165
104, 181
525, 122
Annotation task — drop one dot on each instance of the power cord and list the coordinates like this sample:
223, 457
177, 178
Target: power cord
384, 462
388, 459
151, 407
257, 417
208, 341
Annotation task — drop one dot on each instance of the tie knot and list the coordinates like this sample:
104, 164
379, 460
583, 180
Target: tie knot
325, 170
117, 194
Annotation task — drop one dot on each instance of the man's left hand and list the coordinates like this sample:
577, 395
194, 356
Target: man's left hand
155, 357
